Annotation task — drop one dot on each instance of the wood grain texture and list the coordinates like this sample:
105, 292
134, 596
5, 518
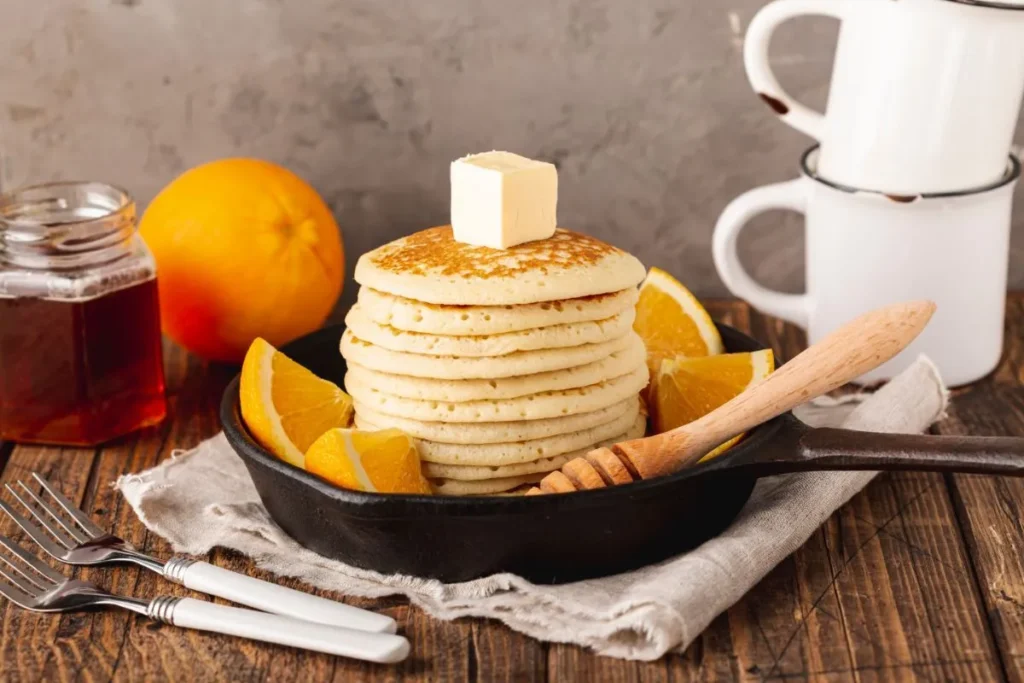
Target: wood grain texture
790, 625
503, 655
990, 510
41, 647
888, 589
906, 598
838, 610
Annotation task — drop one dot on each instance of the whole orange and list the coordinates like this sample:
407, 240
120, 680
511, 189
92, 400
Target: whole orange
244, 249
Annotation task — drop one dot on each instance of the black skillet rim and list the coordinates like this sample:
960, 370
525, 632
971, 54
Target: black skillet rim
382, 505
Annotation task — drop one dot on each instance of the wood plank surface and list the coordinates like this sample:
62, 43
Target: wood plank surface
919, 577
991, 509
881, 590
790, 625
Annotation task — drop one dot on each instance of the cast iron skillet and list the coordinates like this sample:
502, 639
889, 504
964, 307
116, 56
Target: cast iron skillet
558, 538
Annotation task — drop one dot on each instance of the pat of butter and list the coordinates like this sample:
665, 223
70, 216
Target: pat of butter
501, 199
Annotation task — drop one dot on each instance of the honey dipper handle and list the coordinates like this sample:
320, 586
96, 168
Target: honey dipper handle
853, 350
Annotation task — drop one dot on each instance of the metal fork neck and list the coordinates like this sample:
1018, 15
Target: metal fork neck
150, 563
159, 609
108, 548
136, 605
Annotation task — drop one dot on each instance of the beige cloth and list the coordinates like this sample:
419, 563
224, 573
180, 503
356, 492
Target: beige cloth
204, 498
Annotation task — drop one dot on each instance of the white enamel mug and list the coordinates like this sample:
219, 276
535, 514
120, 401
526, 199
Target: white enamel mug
924, 97
866, 249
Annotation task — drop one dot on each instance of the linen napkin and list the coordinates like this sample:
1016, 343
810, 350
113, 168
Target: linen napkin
203, 498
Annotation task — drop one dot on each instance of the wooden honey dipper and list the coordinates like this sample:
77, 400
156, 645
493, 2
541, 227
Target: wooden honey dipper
851, 351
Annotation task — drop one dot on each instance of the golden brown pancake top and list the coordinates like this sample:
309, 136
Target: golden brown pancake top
436, 251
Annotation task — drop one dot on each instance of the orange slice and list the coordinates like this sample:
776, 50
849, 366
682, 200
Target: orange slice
672, 322
386, 461
287, 407
689, 388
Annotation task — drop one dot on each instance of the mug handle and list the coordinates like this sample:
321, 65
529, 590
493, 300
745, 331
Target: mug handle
791, 195
755, 58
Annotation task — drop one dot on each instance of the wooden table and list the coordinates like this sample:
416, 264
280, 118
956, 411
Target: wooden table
919, 577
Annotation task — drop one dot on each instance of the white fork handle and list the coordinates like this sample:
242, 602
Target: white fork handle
269, 597
384, 648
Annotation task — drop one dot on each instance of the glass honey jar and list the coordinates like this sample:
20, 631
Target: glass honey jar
80, 350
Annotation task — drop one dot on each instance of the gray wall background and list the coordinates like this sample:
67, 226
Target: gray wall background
643, 104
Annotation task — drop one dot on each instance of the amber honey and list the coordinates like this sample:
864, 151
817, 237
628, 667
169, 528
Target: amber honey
80, 351
81, 373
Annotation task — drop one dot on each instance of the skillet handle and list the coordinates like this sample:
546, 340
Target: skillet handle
841, 449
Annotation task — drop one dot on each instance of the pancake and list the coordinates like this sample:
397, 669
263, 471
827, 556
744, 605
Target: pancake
516, 452
416, 316
453, 487
502, 364
430, 266
552, 337
520, 490
497, 432
515, 364
532, 407
423, 389
470, 473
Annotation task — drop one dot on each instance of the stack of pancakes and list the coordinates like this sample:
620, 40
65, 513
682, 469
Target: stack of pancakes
503, 364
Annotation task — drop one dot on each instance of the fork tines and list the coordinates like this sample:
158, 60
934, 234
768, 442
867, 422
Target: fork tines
69, 533
27, 579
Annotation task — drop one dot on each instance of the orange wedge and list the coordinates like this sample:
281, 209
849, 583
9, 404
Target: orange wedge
386, 461
689, 388
672, 322
287, 407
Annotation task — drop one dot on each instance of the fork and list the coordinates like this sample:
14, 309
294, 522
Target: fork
34, 585
79, 541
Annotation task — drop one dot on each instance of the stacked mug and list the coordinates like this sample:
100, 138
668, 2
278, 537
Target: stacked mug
908, 192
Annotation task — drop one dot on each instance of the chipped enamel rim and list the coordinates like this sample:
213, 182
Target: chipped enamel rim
808, 166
